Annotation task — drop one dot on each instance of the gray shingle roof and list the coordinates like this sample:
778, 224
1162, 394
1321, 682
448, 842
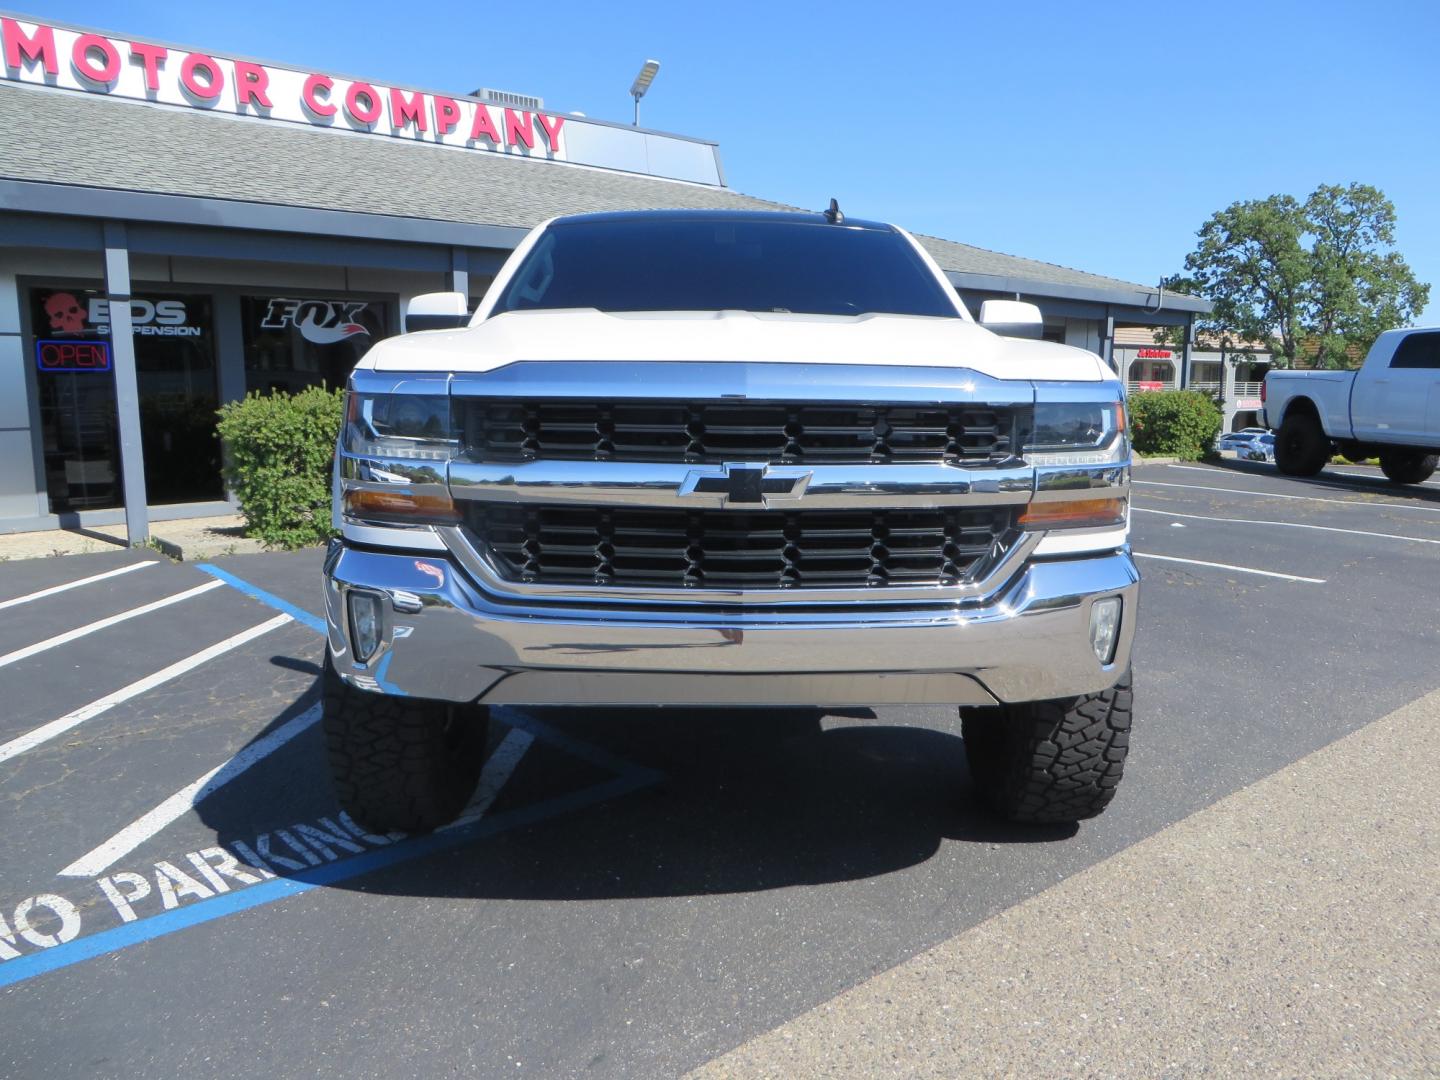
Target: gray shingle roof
89, 140
965, 258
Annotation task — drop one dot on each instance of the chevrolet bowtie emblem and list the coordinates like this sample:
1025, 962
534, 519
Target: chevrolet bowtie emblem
739, 484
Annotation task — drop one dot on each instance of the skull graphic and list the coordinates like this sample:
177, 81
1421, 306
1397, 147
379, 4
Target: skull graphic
66, 314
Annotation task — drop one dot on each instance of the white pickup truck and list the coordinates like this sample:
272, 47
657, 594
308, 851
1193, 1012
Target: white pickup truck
728, 459
1389, 409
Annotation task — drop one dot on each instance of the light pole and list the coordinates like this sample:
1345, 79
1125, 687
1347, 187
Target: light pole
641, 84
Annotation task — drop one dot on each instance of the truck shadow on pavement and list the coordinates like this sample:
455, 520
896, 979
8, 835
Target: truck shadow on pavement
1331, 481
744, 800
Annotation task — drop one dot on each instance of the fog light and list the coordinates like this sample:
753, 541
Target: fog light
1105, 628
365, 623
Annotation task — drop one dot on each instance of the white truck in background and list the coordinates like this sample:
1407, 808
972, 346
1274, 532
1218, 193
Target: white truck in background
1389, 409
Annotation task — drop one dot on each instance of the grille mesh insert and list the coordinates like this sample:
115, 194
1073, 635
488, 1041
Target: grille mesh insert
726, 549
570, 430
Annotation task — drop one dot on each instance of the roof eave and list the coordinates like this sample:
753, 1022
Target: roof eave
1146, 299
30, 196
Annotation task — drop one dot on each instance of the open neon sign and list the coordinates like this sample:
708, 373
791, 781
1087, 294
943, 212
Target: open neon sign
72, 355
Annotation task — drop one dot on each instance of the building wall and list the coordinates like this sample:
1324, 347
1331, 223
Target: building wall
18, 476
24, 503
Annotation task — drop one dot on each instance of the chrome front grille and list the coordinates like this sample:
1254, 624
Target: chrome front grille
727, 549
520, 430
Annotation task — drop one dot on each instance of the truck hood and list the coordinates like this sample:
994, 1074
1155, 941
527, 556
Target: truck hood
756, 337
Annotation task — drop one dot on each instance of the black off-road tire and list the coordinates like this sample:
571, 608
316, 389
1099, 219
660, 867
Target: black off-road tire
1050, 761
399, 763
1301, 446
1407, 466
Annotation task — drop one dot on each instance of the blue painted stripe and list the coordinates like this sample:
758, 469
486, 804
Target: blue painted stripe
271, 890
300, 615
631, 778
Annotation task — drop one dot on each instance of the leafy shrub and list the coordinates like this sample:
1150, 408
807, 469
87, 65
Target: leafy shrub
1177, 423
281, 451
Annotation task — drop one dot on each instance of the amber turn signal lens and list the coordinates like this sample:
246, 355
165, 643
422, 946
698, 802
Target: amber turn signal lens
1074, 513
400, 505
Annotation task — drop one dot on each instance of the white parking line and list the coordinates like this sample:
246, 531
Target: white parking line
498, 769
101, 624
1330, 470
499, 766
1298, 498
1283, 525
100, 859
45, 732
1228, 566
74, 584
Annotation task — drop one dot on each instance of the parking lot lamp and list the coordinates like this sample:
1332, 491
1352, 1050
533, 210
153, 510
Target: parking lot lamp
642, 83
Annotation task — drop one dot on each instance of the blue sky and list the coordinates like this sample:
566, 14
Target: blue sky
1095, 135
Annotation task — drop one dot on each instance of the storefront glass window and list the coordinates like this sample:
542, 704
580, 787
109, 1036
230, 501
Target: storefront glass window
175, 369
295, 342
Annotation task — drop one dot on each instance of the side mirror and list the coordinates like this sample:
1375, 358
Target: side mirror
436, 311
1012, 318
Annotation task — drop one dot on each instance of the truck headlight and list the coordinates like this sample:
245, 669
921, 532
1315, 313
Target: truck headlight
1079, 451
395, 449
1078, 433
416, 427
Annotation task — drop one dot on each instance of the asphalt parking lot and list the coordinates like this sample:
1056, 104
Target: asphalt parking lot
632, 892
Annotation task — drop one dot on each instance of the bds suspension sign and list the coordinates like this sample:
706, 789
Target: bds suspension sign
49, 55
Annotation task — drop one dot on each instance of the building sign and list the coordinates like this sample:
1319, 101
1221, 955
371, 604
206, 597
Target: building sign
323, 322
51, 55
72, 355
1153, 354
67, 313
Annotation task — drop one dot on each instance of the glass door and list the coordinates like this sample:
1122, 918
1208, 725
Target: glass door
76, 386
176, 377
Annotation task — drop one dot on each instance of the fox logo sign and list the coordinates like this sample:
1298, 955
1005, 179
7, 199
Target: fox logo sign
323, 322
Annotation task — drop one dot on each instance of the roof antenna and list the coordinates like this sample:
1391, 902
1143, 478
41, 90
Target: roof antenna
833, 215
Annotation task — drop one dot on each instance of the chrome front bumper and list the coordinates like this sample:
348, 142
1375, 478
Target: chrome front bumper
445, 638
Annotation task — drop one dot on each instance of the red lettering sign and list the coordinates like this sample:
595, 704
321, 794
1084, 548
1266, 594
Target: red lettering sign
83, 57
447, 114
151, 57
104, 64
1154, 354
552, 126
362, 103
19, 47
519, 128
251, 82
483, 125
310, 95
409, 110
196, 65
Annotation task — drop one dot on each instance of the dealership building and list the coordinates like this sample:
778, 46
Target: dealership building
179, 227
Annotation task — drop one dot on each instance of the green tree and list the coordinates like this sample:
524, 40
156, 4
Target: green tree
1298, 275
1359, 287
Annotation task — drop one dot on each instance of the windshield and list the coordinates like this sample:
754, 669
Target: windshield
716, 264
